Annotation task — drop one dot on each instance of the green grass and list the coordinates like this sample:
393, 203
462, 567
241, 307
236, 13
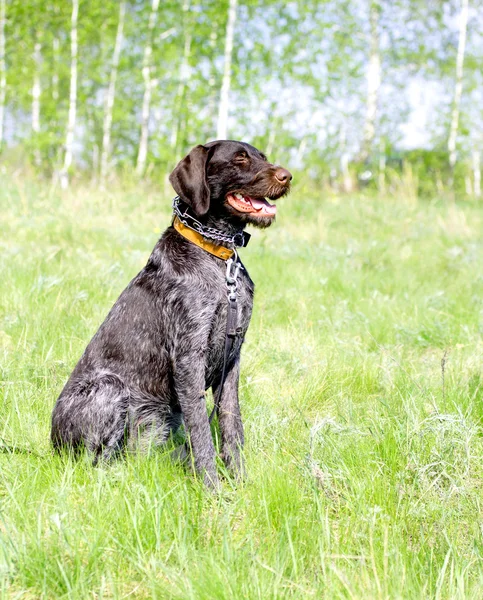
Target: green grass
364, 473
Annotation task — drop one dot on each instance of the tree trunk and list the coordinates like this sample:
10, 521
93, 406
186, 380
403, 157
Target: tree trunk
213, 92
146, 109
36, 91
222, 129
110, 96
344, 162
271, 138
273, 122
476, 173
301, 149
69, 140
3, 68
184, 77
458, 90
373, 83
381, 176
55, 74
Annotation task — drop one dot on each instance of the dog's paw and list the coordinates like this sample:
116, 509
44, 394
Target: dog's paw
211, 481
235, 465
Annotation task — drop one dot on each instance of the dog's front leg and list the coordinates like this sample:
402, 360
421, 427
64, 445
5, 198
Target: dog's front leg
190, 389
231, 425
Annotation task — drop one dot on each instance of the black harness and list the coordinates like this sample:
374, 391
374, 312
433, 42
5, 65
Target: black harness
233, 266
232, 331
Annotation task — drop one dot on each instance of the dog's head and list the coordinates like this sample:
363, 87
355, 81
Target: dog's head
232, 180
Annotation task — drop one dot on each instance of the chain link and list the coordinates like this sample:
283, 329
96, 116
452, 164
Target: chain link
208, 232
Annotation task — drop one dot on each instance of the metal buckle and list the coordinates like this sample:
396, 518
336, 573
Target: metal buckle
232, 270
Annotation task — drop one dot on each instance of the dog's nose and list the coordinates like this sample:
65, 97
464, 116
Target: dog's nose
283, 175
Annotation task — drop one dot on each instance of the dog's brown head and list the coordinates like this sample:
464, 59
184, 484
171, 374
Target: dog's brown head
230, 180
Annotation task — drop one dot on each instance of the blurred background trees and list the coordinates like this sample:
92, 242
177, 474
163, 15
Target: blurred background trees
351, 93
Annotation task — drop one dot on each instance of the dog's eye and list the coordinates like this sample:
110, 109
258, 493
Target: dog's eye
241, 156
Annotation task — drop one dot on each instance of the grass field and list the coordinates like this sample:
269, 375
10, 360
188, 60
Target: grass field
365, 464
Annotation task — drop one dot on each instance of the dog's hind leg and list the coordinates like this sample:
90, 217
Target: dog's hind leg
92, 412
151, 422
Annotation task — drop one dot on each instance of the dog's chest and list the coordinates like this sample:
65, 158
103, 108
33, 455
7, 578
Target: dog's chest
216, 344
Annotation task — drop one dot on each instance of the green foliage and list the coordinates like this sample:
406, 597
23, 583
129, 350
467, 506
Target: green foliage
364, 472
298, 82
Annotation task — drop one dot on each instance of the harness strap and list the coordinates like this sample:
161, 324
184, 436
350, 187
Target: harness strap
231, 333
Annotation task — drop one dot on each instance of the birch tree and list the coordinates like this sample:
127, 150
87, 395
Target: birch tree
212, 85
373, 82
36, 88
3, 68
222, 128
36, 91
184, 77
110, 96
476, 173
69, 140
55, 74
458, 89
148, 84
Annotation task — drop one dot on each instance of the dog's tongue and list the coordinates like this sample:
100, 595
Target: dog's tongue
264, 206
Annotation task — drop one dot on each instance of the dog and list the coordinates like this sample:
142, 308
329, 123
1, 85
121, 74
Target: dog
164, 342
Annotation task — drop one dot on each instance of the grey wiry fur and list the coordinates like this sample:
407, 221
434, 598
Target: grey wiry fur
161, 346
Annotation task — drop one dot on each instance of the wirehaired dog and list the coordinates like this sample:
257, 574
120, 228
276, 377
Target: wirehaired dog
163, 344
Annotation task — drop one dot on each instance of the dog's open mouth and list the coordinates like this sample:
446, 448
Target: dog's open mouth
258, 207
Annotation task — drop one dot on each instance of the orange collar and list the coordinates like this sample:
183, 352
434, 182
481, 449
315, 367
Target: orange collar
193, 236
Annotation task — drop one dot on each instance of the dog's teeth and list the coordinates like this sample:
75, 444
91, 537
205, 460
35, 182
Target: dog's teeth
239, 196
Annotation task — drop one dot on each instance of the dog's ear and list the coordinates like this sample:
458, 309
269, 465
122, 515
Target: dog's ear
189, 180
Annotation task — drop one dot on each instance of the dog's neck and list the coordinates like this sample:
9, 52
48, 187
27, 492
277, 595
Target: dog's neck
223, 223
220, 223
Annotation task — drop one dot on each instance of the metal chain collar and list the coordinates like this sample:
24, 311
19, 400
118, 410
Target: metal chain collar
238, 239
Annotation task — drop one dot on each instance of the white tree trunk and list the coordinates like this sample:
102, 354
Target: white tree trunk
300, 150
373, 82
36, 91
381, 177
271, 138
69, 140
184, 77
346, 175
458, 90
222, 128
477, 173
55, 74
3, 68
344, 162
110, 96
213, 93
146, 109
272, 129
